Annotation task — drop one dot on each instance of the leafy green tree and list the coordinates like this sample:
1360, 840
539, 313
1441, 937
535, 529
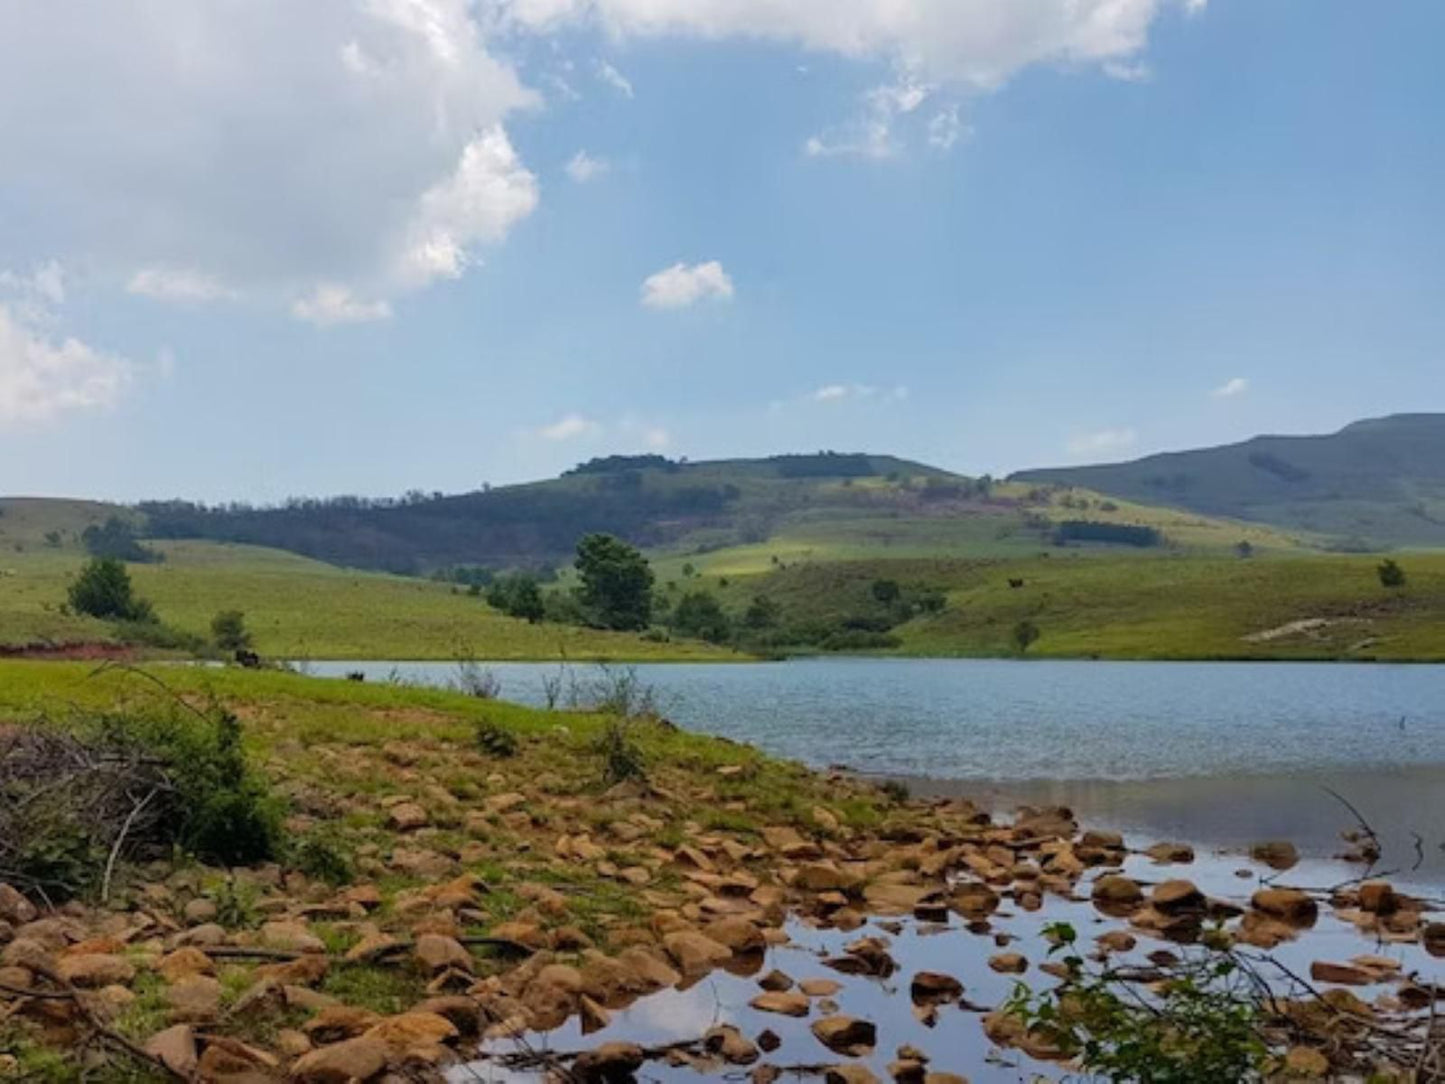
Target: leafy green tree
518, 595
1390, 573
103, 589
616, 586
228, 629
698, 615
762, 613
1025, 634
116, 538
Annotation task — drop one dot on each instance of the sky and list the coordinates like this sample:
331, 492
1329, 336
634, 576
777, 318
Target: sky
254, 248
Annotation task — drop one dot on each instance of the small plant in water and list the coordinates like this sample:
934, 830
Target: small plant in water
1200, 1025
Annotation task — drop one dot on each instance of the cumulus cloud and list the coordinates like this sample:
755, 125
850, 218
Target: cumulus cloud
977, 44
177, 284
44, 285
43, 376
679, 286
335, 141
1103, 442
331, 304
569, 427
582, 167
1231, 388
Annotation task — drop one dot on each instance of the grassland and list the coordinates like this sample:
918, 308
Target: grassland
298, 608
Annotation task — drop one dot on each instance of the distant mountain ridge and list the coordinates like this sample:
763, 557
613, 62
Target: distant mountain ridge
1380, 481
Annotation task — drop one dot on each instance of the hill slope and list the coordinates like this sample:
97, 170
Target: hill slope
1380, 481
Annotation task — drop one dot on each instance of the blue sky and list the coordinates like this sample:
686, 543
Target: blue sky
431, 243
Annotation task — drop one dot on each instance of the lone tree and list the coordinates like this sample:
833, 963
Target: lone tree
1391, 574
1025, 633
616, 583
228, 629
103, 590
699, 615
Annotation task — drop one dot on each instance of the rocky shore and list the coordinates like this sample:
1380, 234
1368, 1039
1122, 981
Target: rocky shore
492, 899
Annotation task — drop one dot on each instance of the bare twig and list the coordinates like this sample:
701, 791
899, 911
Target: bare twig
120, 842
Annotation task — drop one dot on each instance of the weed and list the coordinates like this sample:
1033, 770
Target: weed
495, 740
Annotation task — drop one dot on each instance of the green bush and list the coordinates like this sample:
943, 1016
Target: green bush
495, 740
103, 589
622, 760
228, 629
322, 857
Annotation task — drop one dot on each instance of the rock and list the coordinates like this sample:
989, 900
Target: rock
1378, 898
764, 1074
822, 877
610, 1063
1168, 853
230, 1061
785, 1002
695, 953
846, 1035
1177, 897
1305, 1061
195, 999
774, 981
645, 971
341, 1063
819, 987
593, 1016
1289, 904
91, 971
203, 936
372, 947
407, 817
934, 986
435, 952
851, 1073
731, 1045
183, 962
291, 1043
200, 911
944, 1078
14, 907
1008, 963
413, 1031
291, 937
1115, 890
907, 1071
737, 934
176, 1049
1117, 940
332, 1025
1433, 938
1342, 974
975, 900
1276, 854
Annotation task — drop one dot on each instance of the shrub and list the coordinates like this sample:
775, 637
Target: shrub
517, 595
228, 629
1390, 573
103, 589
621, 758
698, 615
1025, 634
322, 857
495, 740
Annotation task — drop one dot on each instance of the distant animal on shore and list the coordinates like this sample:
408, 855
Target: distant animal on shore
248, 658
1014, 583
355, 675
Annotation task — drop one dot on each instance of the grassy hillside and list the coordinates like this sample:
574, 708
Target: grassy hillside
1376, 482
302, 608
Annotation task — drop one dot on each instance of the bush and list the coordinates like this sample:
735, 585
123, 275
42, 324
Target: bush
322, 857
1390, 573
116, 538
517, 595
1025, 634
698, 615
228, 629
103, 589
622, 760
495, 740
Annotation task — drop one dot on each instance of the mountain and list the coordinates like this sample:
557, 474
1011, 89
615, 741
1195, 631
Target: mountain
1379, 482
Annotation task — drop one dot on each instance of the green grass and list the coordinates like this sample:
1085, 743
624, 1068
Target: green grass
299, 608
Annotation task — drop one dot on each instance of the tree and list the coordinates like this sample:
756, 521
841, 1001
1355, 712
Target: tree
886, 591
1025, 633
616, 583
103, 589
116, 538
1244, 548
228, 629
517, 595
1391, 574
762, 613
698, 615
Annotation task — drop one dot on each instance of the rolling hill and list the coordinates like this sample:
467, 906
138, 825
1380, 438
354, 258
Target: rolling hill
1379, 482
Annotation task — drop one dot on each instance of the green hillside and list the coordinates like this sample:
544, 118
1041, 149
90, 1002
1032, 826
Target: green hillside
1379, 482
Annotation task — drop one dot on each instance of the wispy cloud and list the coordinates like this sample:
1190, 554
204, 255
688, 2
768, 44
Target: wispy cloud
1231, 389
679, 286
614, 79
568, 427
1103, 442
177, 284
837, 393
582, 167
330, 304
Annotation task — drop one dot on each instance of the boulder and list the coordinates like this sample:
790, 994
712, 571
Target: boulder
1008, 963
1288, 904
934, 986
1177, 897
91, 971
846, 1035
341, 1063
731, 1045
1275, 853
1168, 853
407, 817
851, 1073
1433, 938
435, 953
1116, 891
784, 1002
1378, 898
175, 1048
1341, 974
695, 953
195, 999
737, 934
610, 1063
14, 907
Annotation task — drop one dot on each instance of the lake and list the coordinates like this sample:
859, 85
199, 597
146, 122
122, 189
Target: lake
1211, 752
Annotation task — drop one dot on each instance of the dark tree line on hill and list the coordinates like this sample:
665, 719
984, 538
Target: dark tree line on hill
1121, 534
500, 528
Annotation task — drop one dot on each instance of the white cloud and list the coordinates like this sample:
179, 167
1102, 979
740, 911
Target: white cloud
489, 191
331, 304
569, 428
336, 141
830, 393
979, 44
1231, 388
1128, 71
1103, 442
679, 286
836, 393
614, 78
177, 284
582, 167
42, 377
944, 129
45, 285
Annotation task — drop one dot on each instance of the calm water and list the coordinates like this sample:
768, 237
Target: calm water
1212, 752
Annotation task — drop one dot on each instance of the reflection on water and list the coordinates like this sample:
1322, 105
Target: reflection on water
957, 1043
